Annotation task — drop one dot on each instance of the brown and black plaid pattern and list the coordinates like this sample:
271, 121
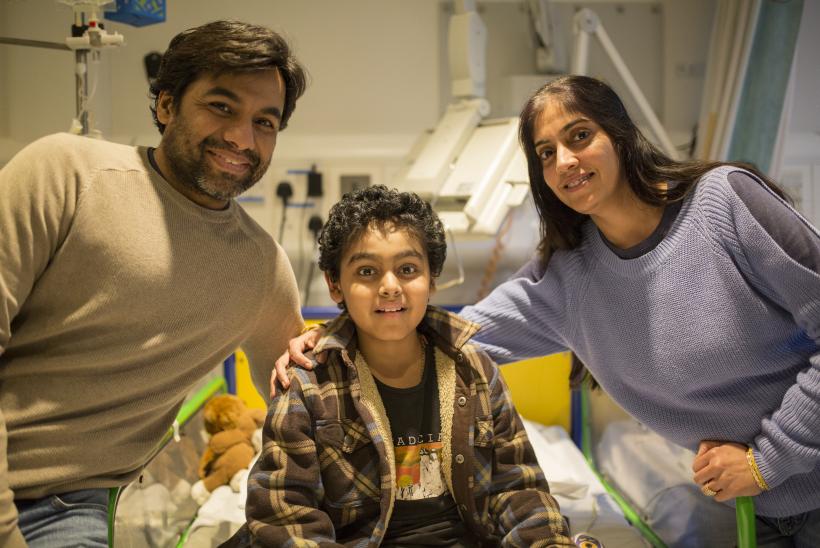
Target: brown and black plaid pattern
326, 477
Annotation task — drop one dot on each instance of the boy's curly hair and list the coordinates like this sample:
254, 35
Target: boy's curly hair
380, 207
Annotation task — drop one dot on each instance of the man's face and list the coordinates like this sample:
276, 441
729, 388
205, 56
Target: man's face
219, 138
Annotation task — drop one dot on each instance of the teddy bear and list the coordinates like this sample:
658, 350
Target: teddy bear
235, 439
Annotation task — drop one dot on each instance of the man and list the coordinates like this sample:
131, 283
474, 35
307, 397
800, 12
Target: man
126, 274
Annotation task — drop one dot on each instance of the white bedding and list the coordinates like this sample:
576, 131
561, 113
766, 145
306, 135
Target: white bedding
582, 497
656, 476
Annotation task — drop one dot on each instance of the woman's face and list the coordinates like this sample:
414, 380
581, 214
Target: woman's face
578, 160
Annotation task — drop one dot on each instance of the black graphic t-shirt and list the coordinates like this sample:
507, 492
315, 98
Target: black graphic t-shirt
425, 513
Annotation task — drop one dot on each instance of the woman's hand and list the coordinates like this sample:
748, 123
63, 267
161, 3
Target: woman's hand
721, 467
295, 353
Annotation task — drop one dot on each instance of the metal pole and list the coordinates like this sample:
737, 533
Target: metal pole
33, 43
81, 78
637, 94
585, 23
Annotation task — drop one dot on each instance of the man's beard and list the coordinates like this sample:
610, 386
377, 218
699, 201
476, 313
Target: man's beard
191, 168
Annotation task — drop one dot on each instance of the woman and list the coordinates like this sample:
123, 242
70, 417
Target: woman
690, 290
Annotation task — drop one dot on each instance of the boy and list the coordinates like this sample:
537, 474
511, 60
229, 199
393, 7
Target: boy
407, 436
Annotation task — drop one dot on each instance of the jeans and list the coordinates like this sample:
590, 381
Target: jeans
78, 518
800, 531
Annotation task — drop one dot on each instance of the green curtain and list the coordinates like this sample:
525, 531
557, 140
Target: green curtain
764, 86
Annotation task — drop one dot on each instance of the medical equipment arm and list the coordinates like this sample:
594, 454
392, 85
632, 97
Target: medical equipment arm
585, 24
469, 168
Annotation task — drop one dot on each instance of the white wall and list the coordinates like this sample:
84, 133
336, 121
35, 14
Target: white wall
687, 28
806, 108
379, 78
378, 67
800, 169
664, 44
374, 66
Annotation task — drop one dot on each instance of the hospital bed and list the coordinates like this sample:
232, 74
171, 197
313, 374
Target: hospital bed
156, 511
632, 467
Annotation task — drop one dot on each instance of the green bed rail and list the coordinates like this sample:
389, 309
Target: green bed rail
744, 506
192, 405
745, 512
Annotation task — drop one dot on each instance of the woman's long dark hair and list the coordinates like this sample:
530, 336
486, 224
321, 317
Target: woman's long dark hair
643, 165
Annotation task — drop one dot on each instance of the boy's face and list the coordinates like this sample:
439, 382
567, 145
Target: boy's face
385, 283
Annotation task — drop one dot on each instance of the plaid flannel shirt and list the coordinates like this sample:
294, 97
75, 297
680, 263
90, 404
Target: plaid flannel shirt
326, 475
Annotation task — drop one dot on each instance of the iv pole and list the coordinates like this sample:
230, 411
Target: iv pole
85, 36
586, 23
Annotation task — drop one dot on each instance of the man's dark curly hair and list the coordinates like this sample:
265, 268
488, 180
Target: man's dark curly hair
381, 208
224, 47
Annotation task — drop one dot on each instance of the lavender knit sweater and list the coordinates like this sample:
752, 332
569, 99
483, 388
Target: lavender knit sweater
713, 334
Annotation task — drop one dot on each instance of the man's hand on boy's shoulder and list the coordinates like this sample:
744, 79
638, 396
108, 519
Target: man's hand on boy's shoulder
295, 354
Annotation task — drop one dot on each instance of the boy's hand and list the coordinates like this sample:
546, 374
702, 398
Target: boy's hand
721, 467
295, 353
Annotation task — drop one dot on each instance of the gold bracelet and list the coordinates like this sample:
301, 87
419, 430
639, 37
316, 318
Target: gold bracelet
750, 458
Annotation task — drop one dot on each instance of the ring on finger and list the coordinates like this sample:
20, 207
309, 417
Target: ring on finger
707, 491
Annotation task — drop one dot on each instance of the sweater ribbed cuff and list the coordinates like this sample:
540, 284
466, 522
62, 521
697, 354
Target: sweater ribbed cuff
766, 470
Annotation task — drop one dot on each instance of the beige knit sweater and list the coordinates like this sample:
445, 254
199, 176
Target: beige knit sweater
117, 294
